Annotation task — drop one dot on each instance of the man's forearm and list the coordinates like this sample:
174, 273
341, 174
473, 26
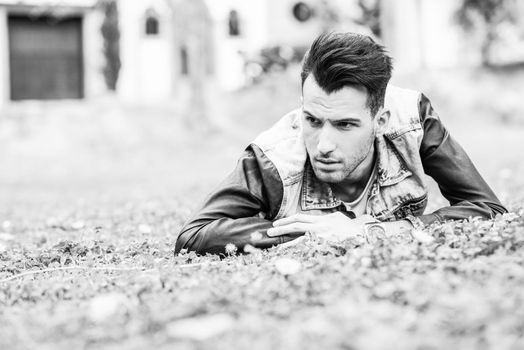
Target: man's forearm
458, 179
464, 210
213, 236
232, 213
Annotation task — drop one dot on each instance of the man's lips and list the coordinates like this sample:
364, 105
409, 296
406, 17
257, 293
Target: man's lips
326, 161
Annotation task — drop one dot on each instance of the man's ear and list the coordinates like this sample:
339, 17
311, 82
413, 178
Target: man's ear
382, 120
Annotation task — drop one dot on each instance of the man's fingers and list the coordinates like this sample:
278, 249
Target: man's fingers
287, 229
304, 218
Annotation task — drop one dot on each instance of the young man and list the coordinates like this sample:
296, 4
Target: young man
350, 162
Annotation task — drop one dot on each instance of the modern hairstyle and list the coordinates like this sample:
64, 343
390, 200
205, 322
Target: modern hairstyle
337, 60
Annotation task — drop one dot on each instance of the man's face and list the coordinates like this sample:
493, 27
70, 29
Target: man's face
339, 131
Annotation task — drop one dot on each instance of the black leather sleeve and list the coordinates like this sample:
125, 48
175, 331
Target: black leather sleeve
458, 179
238, 211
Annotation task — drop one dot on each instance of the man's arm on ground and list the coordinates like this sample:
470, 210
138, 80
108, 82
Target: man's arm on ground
458, 179
231, 214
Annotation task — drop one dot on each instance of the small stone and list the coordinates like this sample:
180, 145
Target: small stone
6, 225
200, 328
366, 261
145, 229
104, 307
287, 266
422, 237
51, 222
6, 236
78, 225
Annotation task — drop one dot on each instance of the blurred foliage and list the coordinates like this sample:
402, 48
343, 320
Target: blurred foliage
111, 35
486, 16
278, 58
271, 59
330, 15
370, 16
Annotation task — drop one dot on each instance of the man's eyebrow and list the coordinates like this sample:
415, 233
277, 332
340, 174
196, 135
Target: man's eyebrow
346, 120
342, 120
311, 114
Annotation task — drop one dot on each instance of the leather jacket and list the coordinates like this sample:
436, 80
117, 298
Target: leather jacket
273, 179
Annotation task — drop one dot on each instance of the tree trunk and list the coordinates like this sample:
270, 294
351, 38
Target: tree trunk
486, 47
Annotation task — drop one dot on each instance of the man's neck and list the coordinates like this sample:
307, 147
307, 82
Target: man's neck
353, 186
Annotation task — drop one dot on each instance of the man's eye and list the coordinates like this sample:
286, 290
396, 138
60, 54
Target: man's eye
313, 121
345, 125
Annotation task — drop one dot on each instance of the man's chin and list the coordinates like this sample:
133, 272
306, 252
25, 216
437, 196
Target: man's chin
329, 176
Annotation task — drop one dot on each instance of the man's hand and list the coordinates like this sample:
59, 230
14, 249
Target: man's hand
333, 227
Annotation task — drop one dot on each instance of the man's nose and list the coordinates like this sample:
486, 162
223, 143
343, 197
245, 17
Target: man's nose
325, 141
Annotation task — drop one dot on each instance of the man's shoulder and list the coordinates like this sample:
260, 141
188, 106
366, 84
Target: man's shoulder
400, 92
403, 105
283, 145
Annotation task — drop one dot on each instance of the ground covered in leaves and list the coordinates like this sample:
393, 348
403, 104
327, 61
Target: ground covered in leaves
111, 281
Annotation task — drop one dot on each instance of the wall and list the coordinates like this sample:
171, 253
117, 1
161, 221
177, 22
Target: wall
4, 59
147, 68
284, 29
229, 51
94, 60
422, 34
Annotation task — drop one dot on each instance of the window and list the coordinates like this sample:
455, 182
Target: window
302, 12
234, 23
184, 62
152, 23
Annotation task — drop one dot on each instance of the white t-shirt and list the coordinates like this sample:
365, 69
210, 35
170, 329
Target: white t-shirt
358, 206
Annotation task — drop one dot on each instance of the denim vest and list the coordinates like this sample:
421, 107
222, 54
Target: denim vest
399, 189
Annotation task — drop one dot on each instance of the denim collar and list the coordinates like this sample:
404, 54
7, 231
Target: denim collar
315, 193
391, 169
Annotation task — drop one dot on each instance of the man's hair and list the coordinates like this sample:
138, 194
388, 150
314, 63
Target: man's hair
337, 60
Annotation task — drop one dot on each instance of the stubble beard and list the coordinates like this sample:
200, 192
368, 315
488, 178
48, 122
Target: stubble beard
339, 176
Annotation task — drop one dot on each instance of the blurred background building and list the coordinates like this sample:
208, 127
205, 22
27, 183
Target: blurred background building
156, 50
50, 51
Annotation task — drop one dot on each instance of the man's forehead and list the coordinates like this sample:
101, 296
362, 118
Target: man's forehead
348, 100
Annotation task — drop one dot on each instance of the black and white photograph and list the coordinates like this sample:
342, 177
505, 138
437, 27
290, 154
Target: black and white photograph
261, 174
